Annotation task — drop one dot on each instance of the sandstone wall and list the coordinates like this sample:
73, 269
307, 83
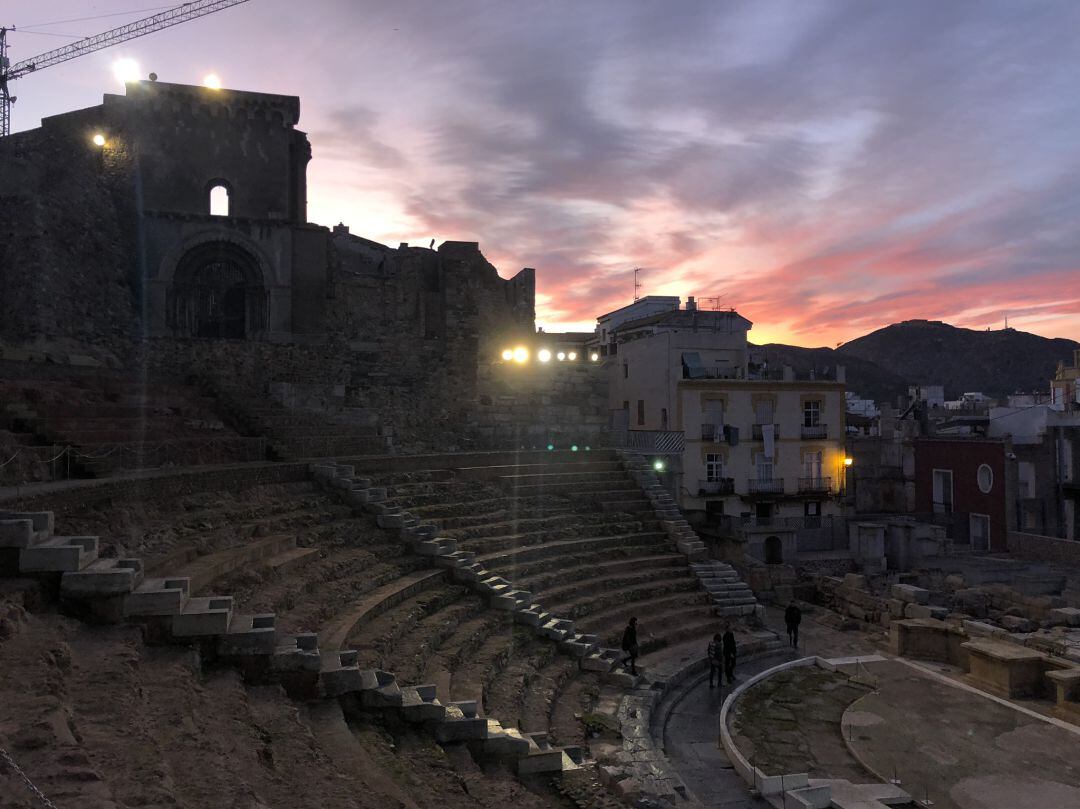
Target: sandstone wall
536, 405
1044, 549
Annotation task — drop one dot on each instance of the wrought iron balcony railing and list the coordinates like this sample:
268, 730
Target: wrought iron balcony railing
772, 486
719, 486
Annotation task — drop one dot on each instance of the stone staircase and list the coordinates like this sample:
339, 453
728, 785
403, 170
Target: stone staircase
117, 590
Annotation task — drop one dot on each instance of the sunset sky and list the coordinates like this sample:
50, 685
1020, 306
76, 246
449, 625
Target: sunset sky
826, 167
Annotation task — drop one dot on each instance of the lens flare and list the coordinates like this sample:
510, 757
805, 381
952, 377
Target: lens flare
125, 70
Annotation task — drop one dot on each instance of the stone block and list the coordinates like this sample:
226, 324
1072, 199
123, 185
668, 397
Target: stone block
16, 533
912, 610
1015, 623
1064, 616
203, 616
854, 581
910, 594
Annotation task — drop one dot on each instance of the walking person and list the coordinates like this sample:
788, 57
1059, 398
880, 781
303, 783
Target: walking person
716, 660
729, 650
792, 618
630, 646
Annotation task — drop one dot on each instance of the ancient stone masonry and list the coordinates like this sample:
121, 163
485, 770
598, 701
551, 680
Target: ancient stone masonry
117, 590
113, 251
562, 405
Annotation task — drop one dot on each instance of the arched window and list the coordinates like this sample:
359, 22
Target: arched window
219, 201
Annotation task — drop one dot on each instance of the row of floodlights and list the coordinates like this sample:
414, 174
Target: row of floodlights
520, 355
573, 448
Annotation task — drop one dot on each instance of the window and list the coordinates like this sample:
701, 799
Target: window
714, 467
764, 466
712, 428
979, 531
985, 478
812, 508
943, 491
640, 411
626, 370
663, 418
763, 411
812, 465
811, 414
1026, 470
219, 201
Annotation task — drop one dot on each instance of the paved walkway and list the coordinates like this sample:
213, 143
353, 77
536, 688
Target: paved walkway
692, 733
692, 741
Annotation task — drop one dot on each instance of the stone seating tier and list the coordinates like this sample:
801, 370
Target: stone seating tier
115, 590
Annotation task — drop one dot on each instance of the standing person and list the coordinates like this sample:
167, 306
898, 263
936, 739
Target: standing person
793, 617
716, 660
730, 651
630, 645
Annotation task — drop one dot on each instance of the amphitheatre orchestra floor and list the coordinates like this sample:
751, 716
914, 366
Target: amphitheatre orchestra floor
958, 747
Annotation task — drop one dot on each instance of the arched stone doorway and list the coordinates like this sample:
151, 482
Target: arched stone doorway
217, 293
774, 551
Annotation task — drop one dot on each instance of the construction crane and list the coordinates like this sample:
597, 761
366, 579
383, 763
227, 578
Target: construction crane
133, 30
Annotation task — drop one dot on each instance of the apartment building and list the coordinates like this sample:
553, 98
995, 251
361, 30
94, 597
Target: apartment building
737, 438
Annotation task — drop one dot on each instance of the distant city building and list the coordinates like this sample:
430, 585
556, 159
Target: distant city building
930, 395
1065, 386
866, 408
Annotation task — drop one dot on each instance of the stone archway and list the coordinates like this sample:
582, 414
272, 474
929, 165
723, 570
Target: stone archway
774, 551
217, 293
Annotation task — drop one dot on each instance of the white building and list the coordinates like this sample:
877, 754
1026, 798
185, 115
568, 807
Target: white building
739, 440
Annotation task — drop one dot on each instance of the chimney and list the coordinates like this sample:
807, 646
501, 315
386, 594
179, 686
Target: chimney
691, 304
341, 229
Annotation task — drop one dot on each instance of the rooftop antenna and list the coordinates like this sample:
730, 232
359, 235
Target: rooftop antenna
715, 301
637, 283
73, 50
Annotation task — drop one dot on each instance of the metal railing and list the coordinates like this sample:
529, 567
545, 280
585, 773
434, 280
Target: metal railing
772, 486
810, 431
815, 484
712, 432
757, 429
665, 442
720, 486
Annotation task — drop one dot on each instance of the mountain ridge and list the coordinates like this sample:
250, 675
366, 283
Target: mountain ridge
880, 365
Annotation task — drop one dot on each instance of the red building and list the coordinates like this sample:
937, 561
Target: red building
964, 481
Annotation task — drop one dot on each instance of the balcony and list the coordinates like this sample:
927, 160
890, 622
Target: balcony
665, 442
756, 431
712, 432
714, 487
815, 431
815, 485
773, 486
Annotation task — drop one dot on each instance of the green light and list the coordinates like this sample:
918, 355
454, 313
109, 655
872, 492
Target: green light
573, 448
551, 447
658, 465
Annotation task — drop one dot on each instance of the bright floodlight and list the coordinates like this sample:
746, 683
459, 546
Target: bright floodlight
551, 447
126, 70
99, 139
544, 355
508, 354
561, 355
521, 354
658, 465
848, 461
212, 80
573, 448
594, 356
572, 356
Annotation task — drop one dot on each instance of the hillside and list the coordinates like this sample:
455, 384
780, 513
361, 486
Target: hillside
881, 365
863, 377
